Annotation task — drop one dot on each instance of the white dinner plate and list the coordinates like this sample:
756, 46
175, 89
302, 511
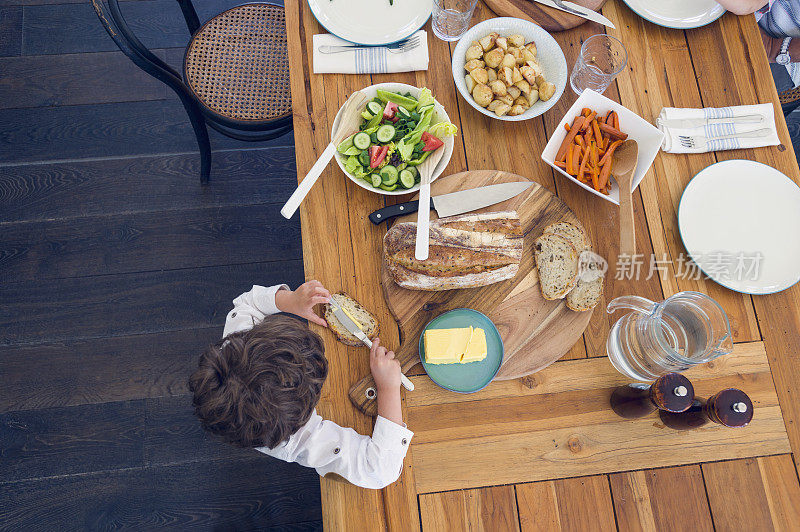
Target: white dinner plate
681, 14
740, 222
371, 22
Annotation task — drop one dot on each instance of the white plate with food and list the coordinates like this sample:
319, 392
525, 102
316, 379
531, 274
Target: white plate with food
517, 71
371, 22
632, 125
400, 125
738, 220
679, 14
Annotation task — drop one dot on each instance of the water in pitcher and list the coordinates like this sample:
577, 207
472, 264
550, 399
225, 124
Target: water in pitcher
683, 331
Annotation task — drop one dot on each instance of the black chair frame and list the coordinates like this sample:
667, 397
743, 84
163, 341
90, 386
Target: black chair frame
199, 114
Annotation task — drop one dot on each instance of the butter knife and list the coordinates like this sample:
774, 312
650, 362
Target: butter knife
575, 9
700, 122
356, 331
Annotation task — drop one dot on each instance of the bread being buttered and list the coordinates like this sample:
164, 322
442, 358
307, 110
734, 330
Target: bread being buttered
465, 251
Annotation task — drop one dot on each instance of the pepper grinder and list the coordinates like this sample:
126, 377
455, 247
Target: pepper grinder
730, 408
671, 392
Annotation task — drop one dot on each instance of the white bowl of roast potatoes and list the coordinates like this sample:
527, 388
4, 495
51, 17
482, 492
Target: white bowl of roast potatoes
509, 69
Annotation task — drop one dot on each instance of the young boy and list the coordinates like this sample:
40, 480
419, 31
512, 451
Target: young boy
259, 386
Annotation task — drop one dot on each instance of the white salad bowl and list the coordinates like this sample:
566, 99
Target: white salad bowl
643, 132
440, 115
548, 52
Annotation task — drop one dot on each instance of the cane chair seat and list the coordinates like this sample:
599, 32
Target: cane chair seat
237, 64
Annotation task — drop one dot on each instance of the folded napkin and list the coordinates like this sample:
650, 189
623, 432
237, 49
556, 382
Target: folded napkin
371, 60
669, 121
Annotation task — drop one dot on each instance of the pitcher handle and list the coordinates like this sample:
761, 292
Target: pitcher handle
635, 303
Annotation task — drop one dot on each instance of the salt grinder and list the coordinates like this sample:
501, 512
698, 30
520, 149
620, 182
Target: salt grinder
671, 393
730, 408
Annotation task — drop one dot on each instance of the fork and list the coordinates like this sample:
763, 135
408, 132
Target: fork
700, 141
396, 48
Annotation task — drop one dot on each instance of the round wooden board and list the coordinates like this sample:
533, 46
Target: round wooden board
547, 17
535, 332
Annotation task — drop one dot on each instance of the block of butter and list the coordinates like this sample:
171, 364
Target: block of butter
455, 346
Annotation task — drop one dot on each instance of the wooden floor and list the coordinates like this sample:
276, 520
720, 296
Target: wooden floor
116, 268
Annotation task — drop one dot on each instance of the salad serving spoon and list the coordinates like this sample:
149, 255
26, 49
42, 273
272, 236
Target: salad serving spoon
424, 214
348, 124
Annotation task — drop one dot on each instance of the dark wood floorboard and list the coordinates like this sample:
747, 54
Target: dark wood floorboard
100, 370
10, 30
90, 188
76, 79
105, 130
253, 493
127, 243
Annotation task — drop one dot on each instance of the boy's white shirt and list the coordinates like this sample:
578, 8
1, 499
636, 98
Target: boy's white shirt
368, 462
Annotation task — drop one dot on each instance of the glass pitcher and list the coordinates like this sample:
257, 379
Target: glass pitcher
682, 331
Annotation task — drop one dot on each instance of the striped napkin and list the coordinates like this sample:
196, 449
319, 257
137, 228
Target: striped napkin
671, 122
370, 60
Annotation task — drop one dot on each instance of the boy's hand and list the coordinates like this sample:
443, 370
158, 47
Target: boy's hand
385, 368
301, 302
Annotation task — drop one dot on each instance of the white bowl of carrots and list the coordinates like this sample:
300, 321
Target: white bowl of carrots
583, 144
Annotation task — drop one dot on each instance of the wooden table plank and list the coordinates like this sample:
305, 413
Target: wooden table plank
782, 488
736, 494
671, 498
582, 503
476, 510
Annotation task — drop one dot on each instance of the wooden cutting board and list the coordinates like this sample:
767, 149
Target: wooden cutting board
547, 17
535, 332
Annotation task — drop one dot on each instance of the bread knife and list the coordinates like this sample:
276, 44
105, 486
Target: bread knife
356, 331
456, 202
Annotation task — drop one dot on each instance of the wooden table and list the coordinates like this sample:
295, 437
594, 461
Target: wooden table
544, 451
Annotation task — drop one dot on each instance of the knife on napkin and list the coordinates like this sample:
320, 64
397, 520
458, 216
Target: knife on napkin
356, 331
455, 202
575, 9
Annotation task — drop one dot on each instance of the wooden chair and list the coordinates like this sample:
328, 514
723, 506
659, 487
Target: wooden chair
235, 71
790, 100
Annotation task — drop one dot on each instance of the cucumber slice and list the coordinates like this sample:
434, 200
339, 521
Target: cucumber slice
361, 141
376, 180
363, 158
401, 167
366, 115
385, 133
374, 108
388, 175
413, 170
407, 179
388, 188
403, 112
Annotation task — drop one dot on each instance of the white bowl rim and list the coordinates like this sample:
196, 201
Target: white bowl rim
495, 24
449, 142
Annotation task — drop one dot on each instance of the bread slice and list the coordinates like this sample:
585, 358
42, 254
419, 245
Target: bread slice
585, 295
367, 320
571, 232
557, 261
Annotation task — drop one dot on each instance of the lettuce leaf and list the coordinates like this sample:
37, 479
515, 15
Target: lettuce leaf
345, 144
425, 98
406, 145
443, 129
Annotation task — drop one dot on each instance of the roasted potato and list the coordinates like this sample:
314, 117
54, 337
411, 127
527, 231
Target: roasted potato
470, 83
501, 42
480, 75
516, 40
523, 86
516, 110
472, 64
493, 105
513, 91
483, 95
533, 97
492, 74
517, 53
487, 43
516, 75
531, 47
539, 80
508, 76
529, 74
527, 55
502, 109
474, 52
546, 90
508, 100
523, 101
494, 57
498, 87
509, 61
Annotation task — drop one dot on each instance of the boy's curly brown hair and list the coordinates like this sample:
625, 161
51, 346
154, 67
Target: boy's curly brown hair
258, 387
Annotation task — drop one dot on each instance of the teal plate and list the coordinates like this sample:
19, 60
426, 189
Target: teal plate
465, 378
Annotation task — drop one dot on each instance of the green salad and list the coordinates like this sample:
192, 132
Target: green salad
396, 134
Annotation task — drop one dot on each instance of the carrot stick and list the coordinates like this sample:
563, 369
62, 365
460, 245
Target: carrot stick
613, 132
579, 140
604, 174
589, 119
616, 120
562, 150
569, 161
561, 165
566, 126
596, 130
608, 117
595, 179
586, 111
610, 152
576, 155
582, 168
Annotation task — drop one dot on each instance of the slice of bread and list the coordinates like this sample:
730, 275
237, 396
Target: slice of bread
368, 321
571, 232
585, 295
557, 261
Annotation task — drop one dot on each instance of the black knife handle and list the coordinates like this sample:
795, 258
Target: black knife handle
392, 211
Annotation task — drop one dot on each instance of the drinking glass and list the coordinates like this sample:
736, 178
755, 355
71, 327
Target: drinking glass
602, 57
451, 18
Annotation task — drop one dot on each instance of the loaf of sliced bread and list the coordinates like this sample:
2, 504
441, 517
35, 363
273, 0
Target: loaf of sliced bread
557, 262
571, 232
367, 321
585, 295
